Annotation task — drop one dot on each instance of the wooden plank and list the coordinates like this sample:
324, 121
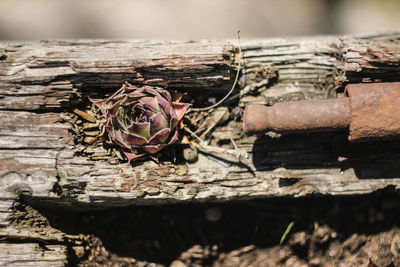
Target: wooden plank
44, 75
43, 162
32, 254
41, 158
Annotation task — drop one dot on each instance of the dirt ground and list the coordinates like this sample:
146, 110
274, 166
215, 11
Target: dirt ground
327, 231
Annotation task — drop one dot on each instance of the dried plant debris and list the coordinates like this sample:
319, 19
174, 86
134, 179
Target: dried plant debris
87, 131
139, 122
201, 128
93, 253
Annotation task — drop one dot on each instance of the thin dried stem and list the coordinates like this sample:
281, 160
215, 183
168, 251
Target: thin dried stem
233, 86
202, 145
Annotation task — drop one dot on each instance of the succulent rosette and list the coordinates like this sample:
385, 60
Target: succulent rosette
142, 120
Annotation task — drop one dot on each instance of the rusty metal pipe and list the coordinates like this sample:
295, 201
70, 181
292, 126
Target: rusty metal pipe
371, 111
298, 116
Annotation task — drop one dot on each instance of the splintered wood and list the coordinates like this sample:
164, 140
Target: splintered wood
45, 84
44, 90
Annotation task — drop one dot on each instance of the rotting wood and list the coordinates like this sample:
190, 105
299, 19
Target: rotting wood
43, 76
40, 159
41, 84
31, 254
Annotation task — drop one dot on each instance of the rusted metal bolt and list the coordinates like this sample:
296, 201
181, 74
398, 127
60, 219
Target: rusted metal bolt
370, 112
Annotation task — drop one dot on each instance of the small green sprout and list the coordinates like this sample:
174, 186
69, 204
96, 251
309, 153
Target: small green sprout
287, 231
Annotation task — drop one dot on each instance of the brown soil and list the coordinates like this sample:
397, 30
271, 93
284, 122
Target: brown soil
328, 231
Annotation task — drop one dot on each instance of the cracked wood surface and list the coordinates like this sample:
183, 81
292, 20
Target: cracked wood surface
41, 82
31, 254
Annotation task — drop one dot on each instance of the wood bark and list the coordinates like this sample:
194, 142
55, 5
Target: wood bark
42, 161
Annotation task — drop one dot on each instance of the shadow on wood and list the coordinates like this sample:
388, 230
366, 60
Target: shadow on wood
328, 150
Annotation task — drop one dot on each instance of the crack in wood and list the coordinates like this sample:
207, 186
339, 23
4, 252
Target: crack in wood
41, 83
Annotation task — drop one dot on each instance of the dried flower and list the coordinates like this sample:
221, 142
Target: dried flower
142, 120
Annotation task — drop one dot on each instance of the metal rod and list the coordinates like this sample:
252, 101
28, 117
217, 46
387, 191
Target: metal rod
298, 116
371, 112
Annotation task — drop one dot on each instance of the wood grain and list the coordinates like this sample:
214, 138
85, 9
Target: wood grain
42, 82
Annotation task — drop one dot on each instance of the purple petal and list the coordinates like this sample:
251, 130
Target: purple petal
158, 122
114, 107
165, 94
164, 105
136, 89
160, 137
115, 98
153, 148
129, 101
118, 123
150, 102
137, 106
136, 93
180, 109
150, 91
177, 112
149, 113
132, 156
174, 119
133, 139
129, 88
114, 123
128, 121
117, 137
114, 102
140, 128
174, 138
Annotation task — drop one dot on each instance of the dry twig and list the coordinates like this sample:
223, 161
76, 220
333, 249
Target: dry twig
233, 86
203, 146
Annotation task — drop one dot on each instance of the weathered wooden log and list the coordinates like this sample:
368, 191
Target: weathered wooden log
31, 254
44, 160
42, 82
